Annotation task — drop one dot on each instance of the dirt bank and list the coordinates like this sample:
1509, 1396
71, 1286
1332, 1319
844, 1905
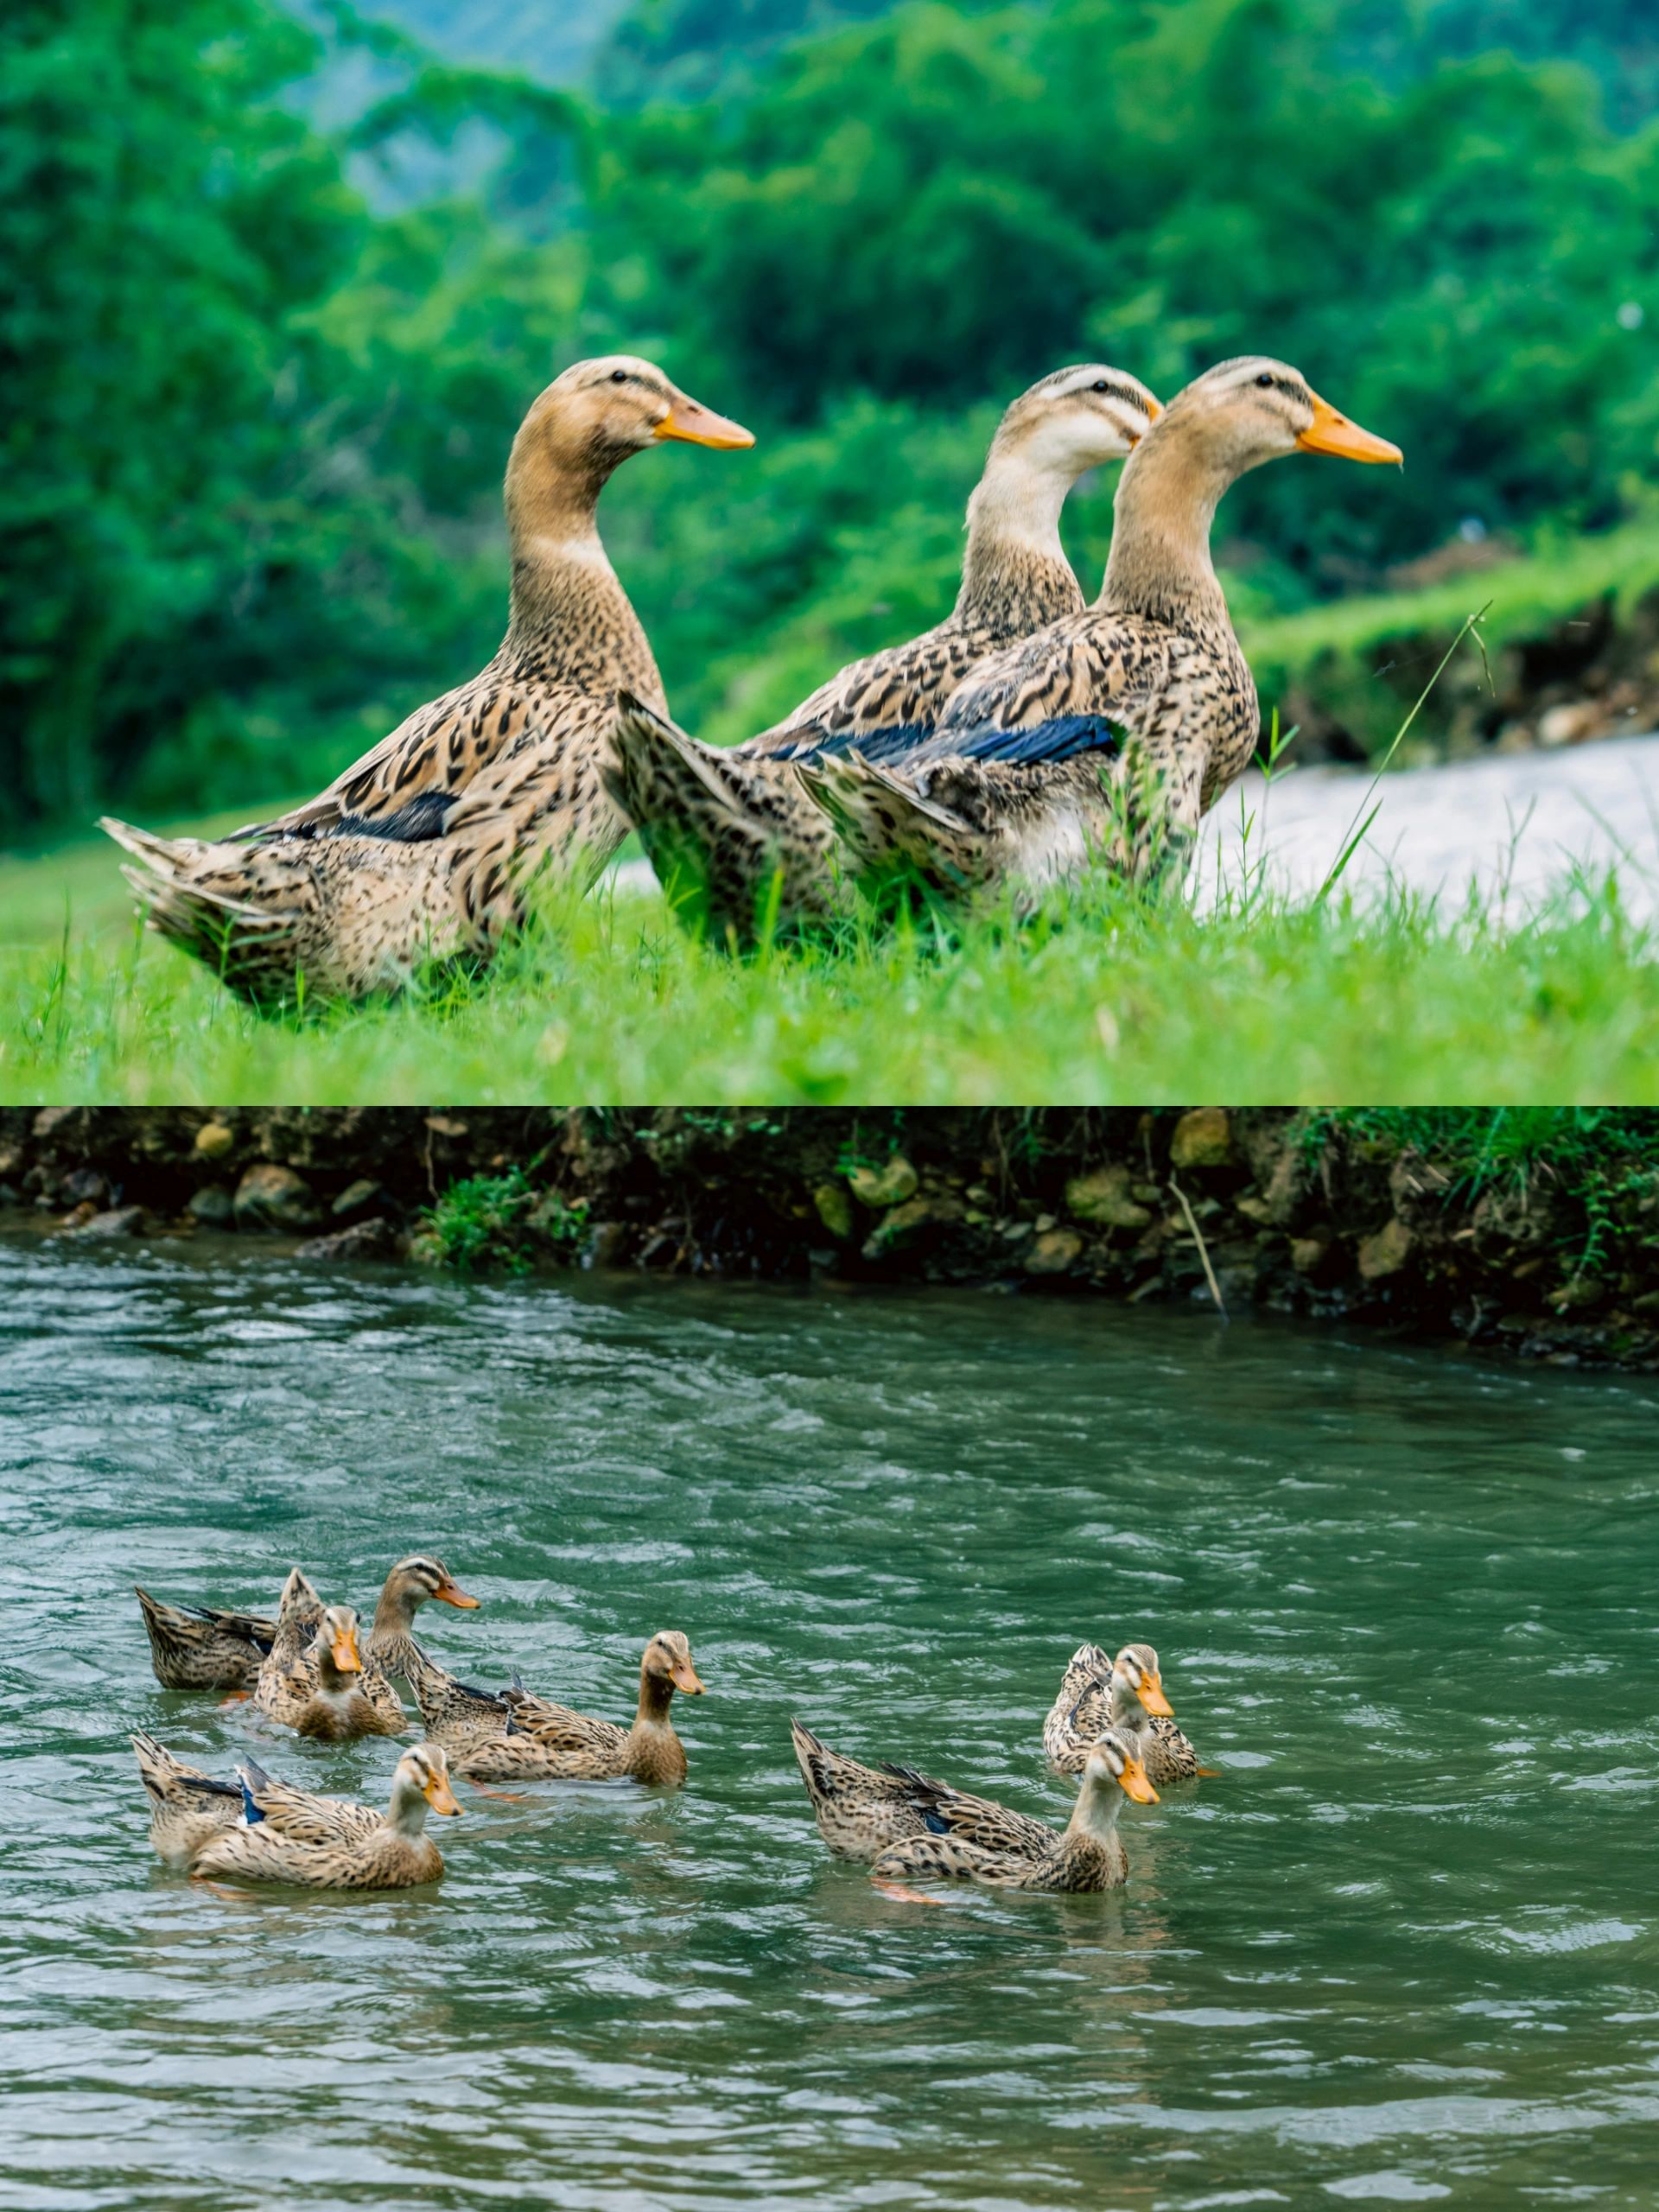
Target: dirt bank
1309, 1214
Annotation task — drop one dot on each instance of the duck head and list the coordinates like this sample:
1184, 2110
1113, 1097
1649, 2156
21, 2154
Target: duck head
422, 1780
1076, 419
1135, 1673
1245, 412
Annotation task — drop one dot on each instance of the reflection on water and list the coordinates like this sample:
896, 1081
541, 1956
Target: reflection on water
1403, 1946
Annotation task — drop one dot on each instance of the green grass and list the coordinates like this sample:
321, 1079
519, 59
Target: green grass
1106, 996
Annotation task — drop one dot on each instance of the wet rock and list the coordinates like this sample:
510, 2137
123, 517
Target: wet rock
275, 1198
1254, 1209
835, 1210
608, 1245
878, 1187
362, 1197
1053, 1252
86, 1187
364, 1240
212, 1207
10, 1195
1104, 1197
1580, 1292
115, 1221
1203, 1138
903, 1225
1309, 1253
214, 1140
1385, 1254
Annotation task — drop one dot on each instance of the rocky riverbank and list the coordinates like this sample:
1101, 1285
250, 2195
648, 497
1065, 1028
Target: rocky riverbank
1319, 1214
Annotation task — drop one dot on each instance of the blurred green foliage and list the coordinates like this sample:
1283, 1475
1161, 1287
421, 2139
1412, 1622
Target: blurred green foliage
256, 398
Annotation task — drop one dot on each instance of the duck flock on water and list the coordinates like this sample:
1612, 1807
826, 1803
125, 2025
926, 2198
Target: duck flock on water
1026, 738
309, 1669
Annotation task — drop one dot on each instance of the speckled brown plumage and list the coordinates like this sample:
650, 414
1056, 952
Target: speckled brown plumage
907, 1824
520, 1737
291, 1836
1104, 737
424, 849
203, 1647
730, 833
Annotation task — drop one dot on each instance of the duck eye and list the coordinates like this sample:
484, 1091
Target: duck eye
619, 376
1101, 386
1266, 383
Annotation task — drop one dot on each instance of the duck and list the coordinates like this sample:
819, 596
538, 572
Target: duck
1087, 1855
1127, 1695
422, 848
520, 1736
1107, 734
318, 1843
900, 1821
729, 831
204, 1647
329, 1693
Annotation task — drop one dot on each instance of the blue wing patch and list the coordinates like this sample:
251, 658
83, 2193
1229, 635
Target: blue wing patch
415, 822
893, 743
251, 1812
1063, 739
935, 1824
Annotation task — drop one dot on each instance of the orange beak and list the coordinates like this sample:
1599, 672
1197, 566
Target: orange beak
1133, 1782
451, 1593
347, 1657
700, 426
440, 1796
1151, 1695
1154, 408
1330, 432
684, 1676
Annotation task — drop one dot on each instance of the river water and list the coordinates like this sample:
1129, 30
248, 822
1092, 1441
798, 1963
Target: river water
1404, 1946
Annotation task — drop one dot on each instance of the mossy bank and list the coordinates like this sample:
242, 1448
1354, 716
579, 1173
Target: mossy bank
1531, 1232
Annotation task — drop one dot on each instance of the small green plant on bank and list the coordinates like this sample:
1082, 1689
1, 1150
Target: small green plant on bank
502, 1222
1604, 1159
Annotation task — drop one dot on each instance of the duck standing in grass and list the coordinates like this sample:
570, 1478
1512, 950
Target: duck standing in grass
517, 1737
905, 1823
1125, 1695
423, 848
1107, 734
729, 831
324, 1843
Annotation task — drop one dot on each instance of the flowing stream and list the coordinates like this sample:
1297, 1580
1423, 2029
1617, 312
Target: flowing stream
1405, 1946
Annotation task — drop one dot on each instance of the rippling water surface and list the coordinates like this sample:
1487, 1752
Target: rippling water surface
1403, 1948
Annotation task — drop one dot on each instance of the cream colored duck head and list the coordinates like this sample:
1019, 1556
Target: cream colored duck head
1114, 1763
595, 413
339, 1661
1242, 413
1074, 420
667, 1667
421, 1781
1136, 1674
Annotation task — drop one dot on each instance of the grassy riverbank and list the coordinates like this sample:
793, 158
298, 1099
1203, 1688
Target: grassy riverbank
1106, 997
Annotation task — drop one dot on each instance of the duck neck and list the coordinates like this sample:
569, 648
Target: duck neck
1095, 1814
394, 1613
1013, 537
1129, 1716
561, 578
1160, 565
406, 1815
656, 1695
332, 1679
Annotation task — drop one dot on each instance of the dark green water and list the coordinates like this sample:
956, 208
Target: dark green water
1406, 1948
